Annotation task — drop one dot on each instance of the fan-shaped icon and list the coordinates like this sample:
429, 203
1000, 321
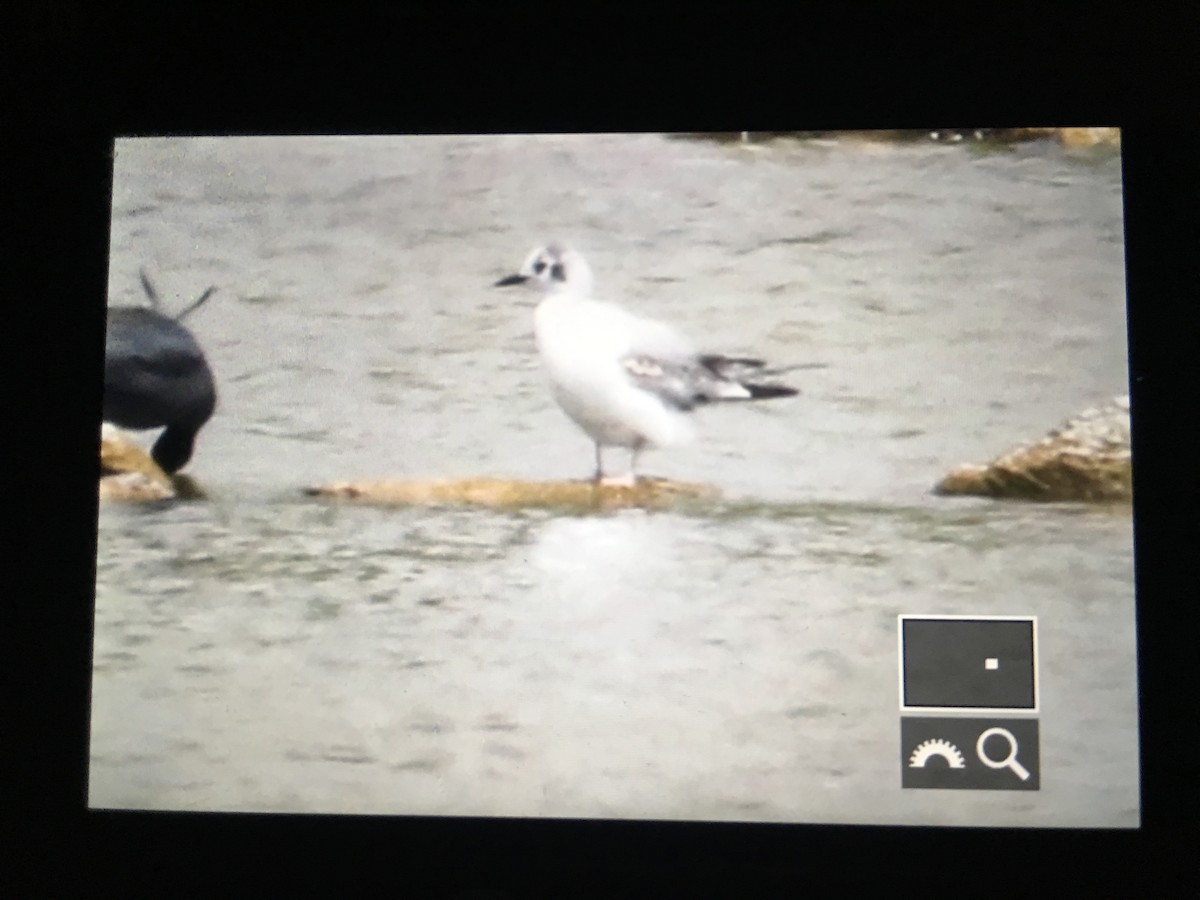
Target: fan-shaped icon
937, 747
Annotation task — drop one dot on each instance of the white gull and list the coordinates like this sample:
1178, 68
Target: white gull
625, 380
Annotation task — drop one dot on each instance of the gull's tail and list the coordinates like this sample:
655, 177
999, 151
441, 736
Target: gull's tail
739, 370
767, 391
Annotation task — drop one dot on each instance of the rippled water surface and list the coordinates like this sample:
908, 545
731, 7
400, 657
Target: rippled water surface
727, 660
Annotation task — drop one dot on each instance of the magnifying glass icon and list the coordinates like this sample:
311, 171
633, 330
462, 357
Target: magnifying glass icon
1009, 761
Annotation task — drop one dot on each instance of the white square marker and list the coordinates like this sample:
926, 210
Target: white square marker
991, 663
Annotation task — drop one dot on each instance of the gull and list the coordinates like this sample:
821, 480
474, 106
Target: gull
626, 381
156, 376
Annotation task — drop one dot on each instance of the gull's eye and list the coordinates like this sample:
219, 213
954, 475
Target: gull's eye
539, 267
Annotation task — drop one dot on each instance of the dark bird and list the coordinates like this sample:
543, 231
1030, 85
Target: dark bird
156, 376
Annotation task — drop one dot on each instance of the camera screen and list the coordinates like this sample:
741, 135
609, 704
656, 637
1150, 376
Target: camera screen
708, 477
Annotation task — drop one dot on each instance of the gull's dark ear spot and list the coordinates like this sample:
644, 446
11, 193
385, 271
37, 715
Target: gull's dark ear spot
557, 272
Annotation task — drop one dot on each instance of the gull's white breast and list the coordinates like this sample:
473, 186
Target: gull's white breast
582, 343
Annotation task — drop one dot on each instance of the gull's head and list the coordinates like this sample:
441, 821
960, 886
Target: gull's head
553, 268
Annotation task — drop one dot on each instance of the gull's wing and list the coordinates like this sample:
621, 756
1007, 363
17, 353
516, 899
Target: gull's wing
684, 379
681, 383
656, 359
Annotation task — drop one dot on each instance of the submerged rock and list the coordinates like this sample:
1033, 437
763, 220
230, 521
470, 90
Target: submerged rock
127, 472
1087, 459
499, 492
134, 487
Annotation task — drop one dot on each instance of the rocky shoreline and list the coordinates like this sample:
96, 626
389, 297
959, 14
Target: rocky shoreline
1087, 459
1067, 137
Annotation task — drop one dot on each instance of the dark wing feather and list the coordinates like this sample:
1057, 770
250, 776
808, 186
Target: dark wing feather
673, 382
688, 383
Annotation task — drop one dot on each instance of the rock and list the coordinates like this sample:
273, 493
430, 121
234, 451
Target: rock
1087, 459
1089, 137
134, 487
127, 472
503, 493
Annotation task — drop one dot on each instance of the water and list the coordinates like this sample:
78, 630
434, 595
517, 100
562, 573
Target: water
733, 660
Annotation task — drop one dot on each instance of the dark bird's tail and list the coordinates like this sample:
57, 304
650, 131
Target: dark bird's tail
156, 300
197, 304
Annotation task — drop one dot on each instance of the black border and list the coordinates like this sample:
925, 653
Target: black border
76, 74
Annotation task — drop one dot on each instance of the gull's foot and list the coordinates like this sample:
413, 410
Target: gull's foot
626, 481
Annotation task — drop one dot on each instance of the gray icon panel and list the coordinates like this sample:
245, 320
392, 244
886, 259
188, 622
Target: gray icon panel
951, 753
952, 667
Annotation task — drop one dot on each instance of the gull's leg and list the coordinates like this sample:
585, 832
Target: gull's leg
599, 476
630, 479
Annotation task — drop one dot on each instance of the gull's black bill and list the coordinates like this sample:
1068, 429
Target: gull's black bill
510, 280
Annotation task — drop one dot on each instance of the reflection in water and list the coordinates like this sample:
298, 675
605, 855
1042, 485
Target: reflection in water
262, 651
